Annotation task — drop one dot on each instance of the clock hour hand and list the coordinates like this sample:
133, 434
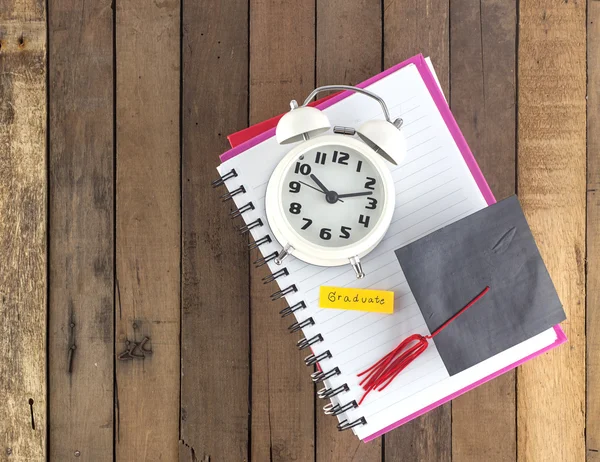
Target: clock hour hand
319, 184
330, 196
365, 193
316, 189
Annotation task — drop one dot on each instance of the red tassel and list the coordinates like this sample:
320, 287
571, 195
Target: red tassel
384, 371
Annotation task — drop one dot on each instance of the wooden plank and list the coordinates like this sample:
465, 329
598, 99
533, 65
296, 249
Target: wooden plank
415, 26
81, 230
215, 316
282, 63
482, 75
551, 183
23, 230
592, 430
148, 228
343, 25
410, 27
483, 100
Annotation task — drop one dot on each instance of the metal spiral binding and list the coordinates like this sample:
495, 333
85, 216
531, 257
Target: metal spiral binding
305, 343
263, 240
264, 260
337, 409
283, 292
325, 393
345, 425
312, 359
228, 196
277, 274
291, 309
246, 228
299, 325
319, 376
244, 208
220, 181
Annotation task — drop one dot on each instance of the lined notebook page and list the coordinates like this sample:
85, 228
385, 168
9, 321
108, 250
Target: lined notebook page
434, 187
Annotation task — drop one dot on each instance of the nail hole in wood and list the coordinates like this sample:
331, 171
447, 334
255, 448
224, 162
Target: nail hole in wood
31, 410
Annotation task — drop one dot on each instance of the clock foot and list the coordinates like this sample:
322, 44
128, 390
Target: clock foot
357, 266
287, 250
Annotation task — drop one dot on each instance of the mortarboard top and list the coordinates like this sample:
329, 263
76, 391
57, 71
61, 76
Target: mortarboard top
493, 247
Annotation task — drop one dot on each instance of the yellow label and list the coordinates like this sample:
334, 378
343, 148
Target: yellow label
344, 298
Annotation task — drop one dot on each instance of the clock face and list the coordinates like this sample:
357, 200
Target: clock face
332, 195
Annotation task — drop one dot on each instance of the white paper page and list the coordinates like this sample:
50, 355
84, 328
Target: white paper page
386, 408
434, 188
435, 76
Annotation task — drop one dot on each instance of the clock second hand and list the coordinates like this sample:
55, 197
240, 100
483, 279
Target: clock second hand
316, 189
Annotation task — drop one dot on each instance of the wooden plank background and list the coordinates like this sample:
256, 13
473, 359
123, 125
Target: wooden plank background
110, 231
147, 222
81, 241
23, 252
593, 234
551, 185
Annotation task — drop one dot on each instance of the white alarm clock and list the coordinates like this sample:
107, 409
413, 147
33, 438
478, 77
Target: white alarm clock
330, 200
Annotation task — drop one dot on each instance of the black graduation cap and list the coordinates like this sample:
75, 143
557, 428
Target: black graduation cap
493, 247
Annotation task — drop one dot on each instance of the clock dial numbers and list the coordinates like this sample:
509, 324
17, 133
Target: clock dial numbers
340, 157
324, 192
345, 232
295, 208
304, 169
307, 224
372, 205
325, 234
320, 157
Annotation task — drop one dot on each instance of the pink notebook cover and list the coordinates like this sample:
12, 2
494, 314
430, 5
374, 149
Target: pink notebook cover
444, 109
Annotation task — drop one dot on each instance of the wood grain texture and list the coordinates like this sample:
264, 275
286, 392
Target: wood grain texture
148, 228
345, 57
592, 430
282, 63
411, 27
215, 316
417, 26
81, 230
483, 100
23, 218
551, 184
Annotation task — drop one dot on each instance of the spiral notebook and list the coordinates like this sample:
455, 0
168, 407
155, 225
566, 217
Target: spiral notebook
438, 184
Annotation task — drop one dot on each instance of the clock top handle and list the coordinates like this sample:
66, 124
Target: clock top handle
324, 88
304, 122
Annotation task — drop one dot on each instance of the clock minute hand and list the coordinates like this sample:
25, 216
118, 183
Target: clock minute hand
311, 186
365, 193
316, 189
